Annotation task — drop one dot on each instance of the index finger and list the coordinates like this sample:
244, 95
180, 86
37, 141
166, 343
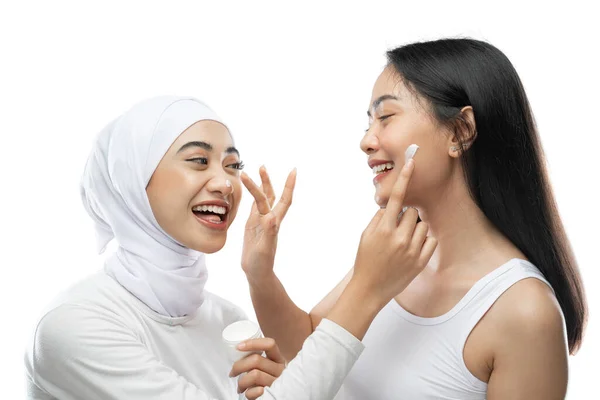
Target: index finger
267, 345
260, 199
396, 201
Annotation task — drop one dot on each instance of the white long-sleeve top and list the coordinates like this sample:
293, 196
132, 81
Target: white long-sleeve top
98, 341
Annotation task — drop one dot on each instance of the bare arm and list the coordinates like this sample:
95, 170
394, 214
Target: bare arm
278, 316
325, 306
530, 356
281, 319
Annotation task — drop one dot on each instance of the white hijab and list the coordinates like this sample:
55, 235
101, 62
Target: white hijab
167, 276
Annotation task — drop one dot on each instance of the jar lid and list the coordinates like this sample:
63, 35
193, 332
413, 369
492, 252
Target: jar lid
240, 331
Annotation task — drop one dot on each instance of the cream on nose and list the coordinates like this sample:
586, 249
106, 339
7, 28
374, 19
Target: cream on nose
229, 185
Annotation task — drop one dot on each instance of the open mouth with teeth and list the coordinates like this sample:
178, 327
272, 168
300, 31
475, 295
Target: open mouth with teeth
381, 168
212, 214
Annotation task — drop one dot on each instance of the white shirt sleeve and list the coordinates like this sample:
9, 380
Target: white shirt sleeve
319, 369
80, 353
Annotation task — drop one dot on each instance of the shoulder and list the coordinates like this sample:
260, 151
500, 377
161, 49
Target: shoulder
528, 312
529, 352
87, 314
532, 302
71, 328
70, 336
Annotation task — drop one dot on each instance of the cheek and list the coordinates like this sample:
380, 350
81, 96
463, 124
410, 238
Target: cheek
396, 138
432, 171
173, 189
237, 194
237, 187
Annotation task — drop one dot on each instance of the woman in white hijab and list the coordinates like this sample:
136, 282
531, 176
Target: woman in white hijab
164, 181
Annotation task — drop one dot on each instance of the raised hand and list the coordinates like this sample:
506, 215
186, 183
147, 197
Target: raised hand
260, 236
394, 248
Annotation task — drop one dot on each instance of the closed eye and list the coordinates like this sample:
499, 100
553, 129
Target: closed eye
382, 118
199, 160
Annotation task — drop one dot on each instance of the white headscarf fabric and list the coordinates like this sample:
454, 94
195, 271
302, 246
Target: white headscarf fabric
167, 276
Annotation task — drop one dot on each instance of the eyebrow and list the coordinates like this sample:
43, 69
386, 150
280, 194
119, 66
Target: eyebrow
207, 147
380, 100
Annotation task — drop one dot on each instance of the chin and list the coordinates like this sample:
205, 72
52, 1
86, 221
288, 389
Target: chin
381, 199
209, 248
210, 245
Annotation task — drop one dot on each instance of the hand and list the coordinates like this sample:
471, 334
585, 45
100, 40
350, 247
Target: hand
260, 371
393, 250
260, 237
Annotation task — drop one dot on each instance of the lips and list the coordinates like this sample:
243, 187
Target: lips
381, 168
212, 214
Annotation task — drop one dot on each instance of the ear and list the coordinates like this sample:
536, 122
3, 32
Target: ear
465, 132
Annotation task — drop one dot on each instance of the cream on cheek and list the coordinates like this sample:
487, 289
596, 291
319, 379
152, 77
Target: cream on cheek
383, 191
410, 152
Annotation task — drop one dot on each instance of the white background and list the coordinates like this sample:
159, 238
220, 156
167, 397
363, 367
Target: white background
293, 82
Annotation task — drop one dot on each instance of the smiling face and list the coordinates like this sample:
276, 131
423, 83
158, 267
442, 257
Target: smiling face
397, 119
195, 191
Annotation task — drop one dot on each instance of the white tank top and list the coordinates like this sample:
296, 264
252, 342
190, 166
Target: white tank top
410, 357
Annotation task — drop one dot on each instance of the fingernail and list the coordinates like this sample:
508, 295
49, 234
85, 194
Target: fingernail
228, 183
377, 198
241, 346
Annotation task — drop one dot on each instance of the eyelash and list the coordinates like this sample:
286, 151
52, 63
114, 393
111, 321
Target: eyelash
204, 161
238, 165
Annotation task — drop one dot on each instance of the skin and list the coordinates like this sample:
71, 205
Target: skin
519, 346
189, 175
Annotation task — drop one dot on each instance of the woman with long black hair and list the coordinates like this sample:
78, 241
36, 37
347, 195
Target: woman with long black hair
500, 304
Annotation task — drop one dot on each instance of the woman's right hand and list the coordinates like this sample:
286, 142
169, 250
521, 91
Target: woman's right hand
393, 249
262, 227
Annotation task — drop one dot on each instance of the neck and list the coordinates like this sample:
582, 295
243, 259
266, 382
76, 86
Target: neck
465, 235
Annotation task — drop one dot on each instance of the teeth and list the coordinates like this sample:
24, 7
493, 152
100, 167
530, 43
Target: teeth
382, 167
213, 209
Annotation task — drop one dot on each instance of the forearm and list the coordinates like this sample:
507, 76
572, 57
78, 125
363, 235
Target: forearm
278, 316
356, 309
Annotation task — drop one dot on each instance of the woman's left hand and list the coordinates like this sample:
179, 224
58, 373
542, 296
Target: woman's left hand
260, 371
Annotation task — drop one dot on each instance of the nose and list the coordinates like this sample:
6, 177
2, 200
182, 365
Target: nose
369, 143
221, 185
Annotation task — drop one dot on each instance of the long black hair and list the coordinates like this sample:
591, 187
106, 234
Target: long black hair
504, 166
